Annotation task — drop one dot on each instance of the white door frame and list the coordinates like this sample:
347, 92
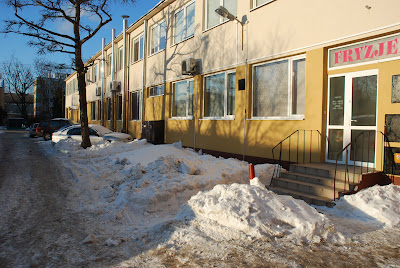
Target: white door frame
347, 127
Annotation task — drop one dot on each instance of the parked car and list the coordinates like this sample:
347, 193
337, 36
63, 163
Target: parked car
97, 134
46, 128
32, 130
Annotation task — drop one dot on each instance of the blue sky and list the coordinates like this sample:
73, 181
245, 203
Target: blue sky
17, 45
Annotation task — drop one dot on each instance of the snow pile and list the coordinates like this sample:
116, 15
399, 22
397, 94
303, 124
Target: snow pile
381, 203
259, 213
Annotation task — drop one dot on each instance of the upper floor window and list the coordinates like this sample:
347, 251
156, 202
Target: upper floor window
158, 33
182, 99
212, 19
156, 91
279, 89
184, 23
257, 3
109, 64
88, 74
137, 48
120, 58
95, 74
219, 95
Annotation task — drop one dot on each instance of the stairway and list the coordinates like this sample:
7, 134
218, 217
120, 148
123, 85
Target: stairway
314, 183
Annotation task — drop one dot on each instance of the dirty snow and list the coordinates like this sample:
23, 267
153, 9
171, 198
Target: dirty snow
172, 197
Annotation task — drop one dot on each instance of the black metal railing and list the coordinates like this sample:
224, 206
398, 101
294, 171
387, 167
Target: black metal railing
361, 163
299, 146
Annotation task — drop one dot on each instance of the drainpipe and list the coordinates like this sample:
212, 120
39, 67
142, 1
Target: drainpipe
125, 22
103, 40
143, 75
112, 79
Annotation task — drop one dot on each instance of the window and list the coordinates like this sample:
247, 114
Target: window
119, 105
212, 19
88, 75
109, 64
109, 109
93, 110
257, 3
184, 23
99, 115
156, 91
158, 37
135, 105
279, 89
120, 58
95, 74
182, 99
219, 95
137, 48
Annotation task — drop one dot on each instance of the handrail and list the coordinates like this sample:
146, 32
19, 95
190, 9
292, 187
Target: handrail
354, 142
297, 148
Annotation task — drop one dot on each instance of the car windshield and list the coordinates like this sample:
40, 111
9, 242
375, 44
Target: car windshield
101, 130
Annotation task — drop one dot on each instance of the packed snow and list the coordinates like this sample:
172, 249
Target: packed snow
139, 191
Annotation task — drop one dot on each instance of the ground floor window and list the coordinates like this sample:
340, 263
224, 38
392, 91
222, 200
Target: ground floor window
182, 99
135, 98
108, 108
219, 95
99, 110
119, 105
279, 89
156, 91
93, 110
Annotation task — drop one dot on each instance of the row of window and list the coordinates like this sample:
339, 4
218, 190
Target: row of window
183, 28
278, 93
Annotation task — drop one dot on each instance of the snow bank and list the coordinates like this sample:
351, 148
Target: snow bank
258, 212
381, 203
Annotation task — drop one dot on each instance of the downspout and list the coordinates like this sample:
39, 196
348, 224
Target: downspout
143, 75
125, 22
112, 80
103, 40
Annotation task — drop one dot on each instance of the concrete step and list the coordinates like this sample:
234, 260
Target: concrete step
306, 187
340, 184
308, 198
353, 175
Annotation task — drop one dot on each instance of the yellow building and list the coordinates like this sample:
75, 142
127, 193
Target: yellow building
239, 85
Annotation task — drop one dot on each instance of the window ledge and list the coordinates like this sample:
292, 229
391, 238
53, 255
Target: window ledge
209, 29
133, 63
181, 118
254, 8
155, 96
299, 118
218, 118
155, 53
134, 120
184, 40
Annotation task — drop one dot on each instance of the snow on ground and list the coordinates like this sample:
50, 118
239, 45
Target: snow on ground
169, 196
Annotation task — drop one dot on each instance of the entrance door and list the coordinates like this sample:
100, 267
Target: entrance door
352, 105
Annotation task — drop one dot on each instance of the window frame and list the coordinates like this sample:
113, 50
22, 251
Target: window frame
109, 62
95, 73
159, 37
139, 103
221, 20
109, 107
254, 4
187, 117
184, 8
120, 58
226, 116
141, 48
289, 114
119, 107
152, 95
93, 111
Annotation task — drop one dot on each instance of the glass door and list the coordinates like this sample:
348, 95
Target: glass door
352, 105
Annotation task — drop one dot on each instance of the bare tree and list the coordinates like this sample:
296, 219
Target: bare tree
73, 12
18, 80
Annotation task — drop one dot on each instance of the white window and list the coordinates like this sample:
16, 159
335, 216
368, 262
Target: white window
257, 3
182, 99
158, 33
279, 89
109, 64
95, 74
89, 75
135, 105
219, 95
120, 58
137, 48
212, 19
156, 91
184, 23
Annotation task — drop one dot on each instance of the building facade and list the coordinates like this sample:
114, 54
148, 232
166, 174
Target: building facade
49, 97
319, 73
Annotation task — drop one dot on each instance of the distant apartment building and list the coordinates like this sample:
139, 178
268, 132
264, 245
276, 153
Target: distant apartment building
49, 96
13, 105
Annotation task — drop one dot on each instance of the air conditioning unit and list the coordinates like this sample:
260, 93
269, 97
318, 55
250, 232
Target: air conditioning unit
189, 66
98, 91
115, 86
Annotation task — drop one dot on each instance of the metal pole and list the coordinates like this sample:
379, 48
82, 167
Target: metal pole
103, 40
